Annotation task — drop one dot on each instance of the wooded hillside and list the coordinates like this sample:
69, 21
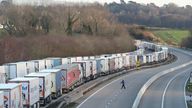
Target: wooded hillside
170, 15
60, 31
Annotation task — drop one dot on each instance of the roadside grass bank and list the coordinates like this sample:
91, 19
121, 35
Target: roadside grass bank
171, 36
15, 49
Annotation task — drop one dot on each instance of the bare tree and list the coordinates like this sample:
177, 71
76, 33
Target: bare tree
71, 19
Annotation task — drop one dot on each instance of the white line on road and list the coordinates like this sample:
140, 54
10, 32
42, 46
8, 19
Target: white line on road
152, 79
99, 91
163, 96
127, 75
183, 51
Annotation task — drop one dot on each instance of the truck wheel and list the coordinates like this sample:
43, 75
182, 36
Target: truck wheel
38, 105
59, 93
50, 98
44, 102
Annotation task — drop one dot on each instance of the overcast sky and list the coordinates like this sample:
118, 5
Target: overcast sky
157, 2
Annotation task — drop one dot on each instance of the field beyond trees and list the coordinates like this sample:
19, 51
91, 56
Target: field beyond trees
171, 36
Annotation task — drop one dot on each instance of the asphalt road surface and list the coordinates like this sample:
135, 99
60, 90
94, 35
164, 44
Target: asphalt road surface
111, 95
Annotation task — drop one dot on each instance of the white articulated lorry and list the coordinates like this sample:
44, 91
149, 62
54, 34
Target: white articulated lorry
39, 65
30, 91
56, 81
44, 86
2, 74
12, 95
14, 70
1, 99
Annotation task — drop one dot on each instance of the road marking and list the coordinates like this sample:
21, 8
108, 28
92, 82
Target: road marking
185, 93
183, 51
152, 79
123, 77
99, 91
102, 89
168, 84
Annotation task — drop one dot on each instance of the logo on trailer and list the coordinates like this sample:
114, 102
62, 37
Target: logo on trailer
24, 87
63, 78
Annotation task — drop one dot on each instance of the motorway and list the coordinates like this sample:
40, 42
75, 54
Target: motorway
166, 92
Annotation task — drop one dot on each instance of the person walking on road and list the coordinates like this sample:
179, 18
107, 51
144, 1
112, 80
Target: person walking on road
123, 84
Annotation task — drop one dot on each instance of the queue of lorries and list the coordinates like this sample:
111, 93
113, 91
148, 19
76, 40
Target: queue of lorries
31, 84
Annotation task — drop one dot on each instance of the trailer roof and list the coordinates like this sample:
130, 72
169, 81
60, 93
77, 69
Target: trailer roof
100, 58
164, 48
23, 79
65, 66
110, 57
50, 70
132, 53
50, 58
82, 61
38, 74
8, 86
15, 63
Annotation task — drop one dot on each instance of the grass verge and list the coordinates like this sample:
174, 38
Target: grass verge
171, 36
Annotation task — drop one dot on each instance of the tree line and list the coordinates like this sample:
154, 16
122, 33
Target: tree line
92, 19
169, 15
36, 32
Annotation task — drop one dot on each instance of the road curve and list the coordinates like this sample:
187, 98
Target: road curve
167, 91
111, 96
